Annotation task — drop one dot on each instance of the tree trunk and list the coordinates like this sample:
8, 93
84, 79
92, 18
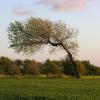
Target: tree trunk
76, 69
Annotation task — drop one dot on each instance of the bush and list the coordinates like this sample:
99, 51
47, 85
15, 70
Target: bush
51, 69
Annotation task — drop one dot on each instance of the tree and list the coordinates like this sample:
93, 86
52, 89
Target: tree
82, 68
26, 64
14, 70
18, 62
5, 65
30, 36
31, 67
90, 68
68, 68
50, 68
18, 66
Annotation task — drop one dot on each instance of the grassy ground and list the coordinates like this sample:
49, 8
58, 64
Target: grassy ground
49, 89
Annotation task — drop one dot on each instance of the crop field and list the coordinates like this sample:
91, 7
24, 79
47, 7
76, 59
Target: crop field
49, 89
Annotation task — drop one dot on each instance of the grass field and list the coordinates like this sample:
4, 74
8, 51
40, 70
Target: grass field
49, 89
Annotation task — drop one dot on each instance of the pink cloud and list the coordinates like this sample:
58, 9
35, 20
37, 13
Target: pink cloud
22, 11
64, 5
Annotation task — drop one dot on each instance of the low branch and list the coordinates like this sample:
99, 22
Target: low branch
54, 44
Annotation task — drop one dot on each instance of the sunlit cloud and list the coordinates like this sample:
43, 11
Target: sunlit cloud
65, 5
22, 11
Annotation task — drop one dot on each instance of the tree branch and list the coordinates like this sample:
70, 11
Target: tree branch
54, 44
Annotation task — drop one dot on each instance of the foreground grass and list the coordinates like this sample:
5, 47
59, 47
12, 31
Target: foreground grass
49, 89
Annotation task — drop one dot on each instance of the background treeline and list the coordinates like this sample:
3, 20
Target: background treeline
47, 68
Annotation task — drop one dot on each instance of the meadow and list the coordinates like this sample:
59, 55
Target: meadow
49, 89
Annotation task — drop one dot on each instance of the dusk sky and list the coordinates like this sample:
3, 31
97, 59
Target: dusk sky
81, 14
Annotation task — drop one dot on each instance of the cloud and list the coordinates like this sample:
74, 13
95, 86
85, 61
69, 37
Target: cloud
65, 5
22, 11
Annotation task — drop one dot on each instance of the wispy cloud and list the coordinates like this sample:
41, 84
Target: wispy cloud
65, 5
22, 11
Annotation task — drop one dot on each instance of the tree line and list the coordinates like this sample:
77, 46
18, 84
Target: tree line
48, 68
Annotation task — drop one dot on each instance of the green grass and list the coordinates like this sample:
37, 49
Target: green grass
49, 89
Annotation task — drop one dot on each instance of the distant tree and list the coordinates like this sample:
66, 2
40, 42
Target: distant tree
18, 62
14, 70
5, 65
26, 64
31, 67
51, 68
90, 68
82, 68
86, 63
18, 66
33, 34
34, 68
68, 68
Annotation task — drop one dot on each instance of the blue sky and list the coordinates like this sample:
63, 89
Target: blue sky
81, 14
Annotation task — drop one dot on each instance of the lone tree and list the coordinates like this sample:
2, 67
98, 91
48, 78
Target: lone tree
30, 36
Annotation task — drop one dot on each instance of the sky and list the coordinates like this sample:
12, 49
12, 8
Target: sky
81, 14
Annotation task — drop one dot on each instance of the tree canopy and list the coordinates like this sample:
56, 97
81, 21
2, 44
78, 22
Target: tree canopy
31, 35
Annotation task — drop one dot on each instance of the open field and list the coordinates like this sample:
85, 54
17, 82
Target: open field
49, 89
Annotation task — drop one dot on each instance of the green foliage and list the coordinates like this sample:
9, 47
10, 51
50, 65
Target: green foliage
82, 68
51, 68
31, 35
18, 62
5, 64
91, 69
31, 67
68, 68
48, 68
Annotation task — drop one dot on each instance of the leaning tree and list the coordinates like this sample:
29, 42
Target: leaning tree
31, 35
